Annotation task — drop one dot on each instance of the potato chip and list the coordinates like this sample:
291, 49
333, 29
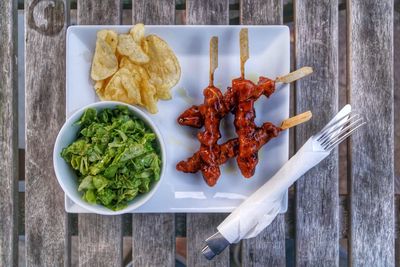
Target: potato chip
99, 86
119, 57
126, 63
163, 67
110, 37
149, 97
147, 90
123, 87
134, 69
104, 62
137, 33
145, 46
132, 85
128, 47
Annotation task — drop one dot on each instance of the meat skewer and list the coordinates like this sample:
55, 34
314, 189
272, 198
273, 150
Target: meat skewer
193, 117
212, 110
238, 99
213, 105
230, 149
246, 94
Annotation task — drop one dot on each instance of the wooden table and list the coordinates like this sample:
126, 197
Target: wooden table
365, 216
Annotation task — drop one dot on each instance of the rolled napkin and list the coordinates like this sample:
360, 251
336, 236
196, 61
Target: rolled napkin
261, 208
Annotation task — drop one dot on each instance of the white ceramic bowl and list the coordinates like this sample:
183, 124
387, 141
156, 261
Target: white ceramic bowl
66, 176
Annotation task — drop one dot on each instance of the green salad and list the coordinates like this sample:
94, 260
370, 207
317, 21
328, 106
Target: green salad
115, 156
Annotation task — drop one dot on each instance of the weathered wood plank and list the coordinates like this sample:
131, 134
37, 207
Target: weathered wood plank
370, 68
46, 221
100, 237
397, 229
396, 67
207, 12
259, 12
8, 135
153, 240
100, 240
153, 11
396, 33
201, 226
317, 196
99, 12
268, 248
343, 99
153, 235
344, 217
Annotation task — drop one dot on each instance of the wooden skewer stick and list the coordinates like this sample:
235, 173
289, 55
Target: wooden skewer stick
296, 120
244, 49
213, 58
295, 75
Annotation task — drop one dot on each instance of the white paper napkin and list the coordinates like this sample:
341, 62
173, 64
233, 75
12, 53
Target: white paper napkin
260, 209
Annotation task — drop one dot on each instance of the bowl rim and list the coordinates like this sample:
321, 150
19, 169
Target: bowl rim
94, 207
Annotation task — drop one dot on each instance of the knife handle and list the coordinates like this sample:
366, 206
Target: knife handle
215, 245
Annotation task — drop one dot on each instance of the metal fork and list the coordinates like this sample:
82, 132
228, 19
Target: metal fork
338, 130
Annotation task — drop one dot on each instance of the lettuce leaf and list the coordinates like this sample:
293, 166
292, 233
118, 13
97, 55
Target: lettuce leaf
115, 156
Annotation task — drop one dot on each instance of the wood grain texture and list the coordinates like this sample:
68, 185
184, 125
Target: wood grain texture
46, 222
199, 227
153, 235
207, 12
296, 120
317, 195
213, 58
370, 68
153, 12
153, 240
397, 229
100, 237
344, 217
100, 240
343, 99
99, 12
261, 12
268, 248
8, 135
396, 67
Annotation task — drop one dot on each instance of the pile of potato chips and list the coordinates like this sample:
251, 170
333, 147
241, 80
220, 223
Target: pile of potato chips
134, 68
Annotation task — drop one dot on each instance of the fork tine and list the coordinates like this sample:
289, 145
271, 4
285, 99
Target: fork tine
330, 125
330, 145
329, 131
343, 113
336, 134
341, 133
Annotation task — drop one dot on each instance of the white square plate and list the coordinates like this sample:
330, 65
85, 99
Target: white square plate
180, 192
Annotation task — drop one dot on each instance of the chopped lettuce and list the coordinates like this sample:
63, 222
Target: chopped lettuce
115, 157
